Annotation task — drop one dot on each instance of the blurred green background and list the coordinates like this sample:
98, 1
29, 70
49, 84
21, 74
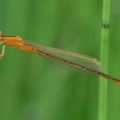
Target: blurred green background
31, 88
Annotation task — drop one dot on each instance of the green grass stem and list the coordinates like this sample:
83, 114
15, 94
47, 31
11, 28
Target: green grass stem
102, 103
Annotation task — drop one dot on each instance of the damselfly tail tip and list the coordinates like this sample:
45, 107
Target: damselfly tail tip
117, 82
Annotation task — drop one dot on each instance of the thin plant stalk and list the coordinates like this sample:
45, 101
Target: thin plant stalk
102, 100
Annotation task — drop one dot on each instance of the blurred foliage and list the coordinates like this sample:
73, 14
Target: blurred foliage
31, 88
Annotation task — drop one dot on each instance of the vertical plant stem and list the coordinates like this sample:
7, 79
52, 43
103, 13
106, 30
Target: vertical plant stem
102, 103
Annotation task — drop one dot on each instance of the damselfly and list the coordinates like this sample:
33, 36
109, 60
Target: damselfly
63, 57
